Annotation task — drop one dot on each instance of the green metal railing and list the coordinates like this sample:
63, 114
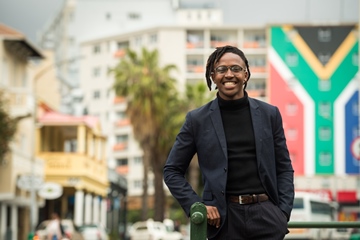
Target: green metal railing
198, 223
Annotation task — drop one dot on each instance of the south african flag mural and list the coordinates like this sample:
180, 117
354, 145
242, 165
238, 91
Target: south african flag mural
313, 79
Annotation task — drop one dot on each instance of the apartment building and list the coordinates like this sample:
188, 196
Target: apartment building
18, 206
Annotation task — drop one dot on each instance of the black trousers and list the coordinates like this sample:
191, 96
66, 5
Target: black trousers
258, 221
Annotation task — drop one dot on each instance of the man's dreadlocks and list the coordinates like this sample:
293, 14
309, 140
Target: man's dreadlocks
216, 55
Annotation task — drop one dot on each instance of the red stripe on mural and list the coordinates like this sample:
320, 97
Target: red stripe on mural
292, 111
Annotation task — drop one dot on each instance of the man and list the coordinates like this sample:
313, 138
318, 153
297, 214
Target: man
242, 154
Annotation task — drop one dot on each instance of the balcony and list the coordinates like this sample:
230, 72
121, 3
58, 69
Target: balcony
73, 151
118, 100
122, 122
74, 169
258, 69
193, 45
195, 68
120, 146
122, 170
215, 44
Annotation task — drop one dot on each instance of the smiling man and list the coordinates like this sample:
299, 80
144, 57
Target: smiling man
243, 157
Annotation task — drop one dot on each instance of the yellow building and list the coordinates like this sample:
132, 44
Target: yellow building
16, 201
73, 151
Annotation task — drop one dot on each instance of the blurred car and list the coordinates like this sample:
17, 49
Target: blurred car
152, 230
93, 232
341, 233
185, 231
70, 229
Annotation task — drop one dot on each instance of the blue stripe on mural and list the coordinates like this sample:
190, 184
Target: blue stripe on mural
352, 165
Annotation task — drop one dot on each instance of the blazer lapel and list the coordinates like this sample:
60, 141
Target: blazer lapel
218, 125
257, 125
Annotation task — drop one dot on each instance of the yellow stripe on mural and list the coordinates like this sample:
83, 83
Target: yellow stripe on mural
341, 53
323, 72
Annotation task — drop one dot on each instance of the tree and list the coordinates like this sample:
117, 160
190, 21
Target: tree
152, 101
7, 128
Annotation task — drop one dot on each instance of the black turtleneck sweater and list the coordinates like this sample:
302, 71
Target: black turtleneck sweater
243, 177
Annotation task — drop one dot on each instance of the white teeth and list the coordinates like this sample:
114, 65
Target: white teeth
229, 83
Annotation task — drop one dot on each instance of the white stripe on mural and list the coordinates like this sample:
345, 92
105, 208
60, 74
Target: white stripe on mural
309, 110
339, 125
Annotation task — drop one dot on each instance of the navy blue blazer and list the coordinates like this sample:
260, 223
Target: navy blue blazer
203, 133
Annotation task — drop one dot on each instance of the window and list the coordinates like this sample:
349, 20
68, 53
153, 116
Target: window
291, 109
355, 131
120, 115
195, 64
134, 16
70, 145
195, 39
138, 160
325, 133
325, 109
153, 38
355, 108
137, 184
324, 35
96, 94
325, 158
324, 85
96, 49
71, 16
96, 71
355, 59
291, 59
122, 138
254, 39
138, 41
122, 45
292, 134
122, 162
324, 57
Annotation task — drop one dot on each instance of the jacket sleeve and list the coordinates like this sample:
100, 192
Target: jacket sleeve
177, 164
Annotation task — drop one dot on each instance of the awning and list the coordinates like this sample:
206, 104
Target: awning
347, 197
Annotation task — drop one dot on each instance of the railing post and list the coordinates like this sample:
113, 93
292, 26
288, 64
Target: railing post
198, 222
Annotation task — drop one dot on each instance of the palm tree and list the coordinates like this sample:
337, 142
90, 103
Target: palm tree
150, 92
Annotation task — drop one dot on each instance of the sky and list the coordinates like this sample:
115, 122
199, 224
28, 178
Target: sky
28, 16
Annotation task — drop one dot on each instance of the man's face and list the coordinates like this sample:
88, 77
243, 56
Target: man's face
229, 75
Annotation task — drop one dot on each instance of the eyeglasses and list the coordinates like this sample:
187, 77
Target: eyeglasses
224, 69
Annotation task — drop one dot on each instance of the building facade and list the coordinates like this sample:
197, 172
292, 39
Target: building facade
18, 203
73, 152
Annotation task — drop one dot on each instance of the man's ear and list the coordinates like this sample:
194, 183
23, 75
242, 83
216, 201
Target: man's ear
212, 76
